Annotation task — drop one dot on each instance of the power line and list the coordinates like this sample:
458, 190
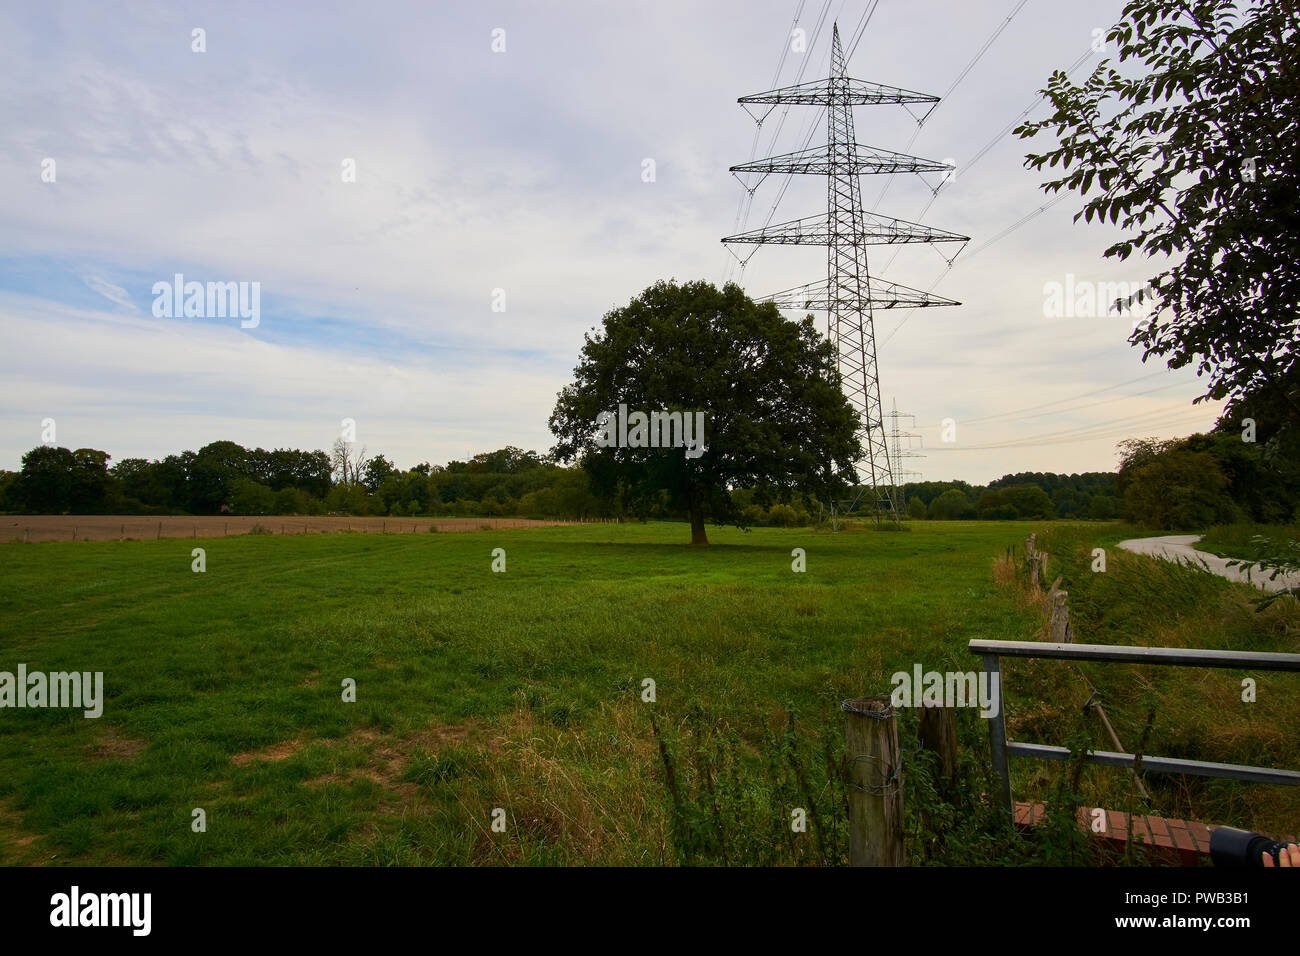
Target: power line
977, 157
1142, 420
747, 199
1007, 417
864, 22
1104, 401
1162, 419
741, 204
1079, 439
955, 83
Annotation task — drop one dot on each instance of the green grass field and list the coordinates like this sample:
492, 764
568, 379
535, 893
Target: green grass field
522, 691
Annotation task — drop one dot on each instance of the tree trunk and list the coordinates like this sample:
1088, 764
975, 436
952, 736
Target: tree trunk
698, 534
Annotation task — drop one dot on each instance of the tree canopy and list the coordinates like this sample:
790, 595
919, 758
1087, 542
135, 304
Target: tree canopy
775, 418
1195, 158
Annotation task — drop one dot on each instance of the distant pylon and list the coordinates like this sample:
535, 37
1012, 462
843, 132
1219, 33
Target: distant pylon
898, 451
849, 295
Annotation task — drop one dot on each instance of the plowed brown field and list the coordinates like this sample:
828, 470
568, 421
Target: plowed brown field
135, 527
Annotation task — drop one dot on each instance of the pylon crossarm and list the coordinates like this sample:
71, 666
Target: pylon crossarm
820, 231
836, 160
881, 295
839, 90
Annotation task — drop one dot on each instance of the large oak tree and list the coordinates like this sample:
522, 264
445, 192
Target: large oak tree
776, 420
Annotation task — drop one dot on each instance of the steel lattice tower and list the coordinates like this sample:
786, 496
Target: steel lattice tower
849, 295
898, 451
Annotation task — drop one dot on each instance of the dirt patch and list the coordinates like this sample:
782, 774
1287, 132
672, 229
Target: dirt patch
281, 751
112, 744
16, 847
312, 679
388, 756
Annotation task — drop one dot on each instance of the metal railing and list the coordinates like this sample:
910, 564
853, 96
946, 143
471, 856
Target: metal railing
992, 651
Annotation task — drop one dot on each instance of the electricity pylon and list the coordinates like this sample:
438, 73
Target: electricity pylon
849, 295
898, 451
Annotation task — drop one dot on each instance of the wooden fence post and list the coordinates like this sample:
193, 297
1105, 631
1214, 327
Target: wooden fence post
875, 782
938, 732
1060, 616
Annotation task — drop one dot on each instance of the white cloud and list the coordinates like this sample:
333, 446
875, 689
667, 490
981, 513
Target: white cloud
114, 293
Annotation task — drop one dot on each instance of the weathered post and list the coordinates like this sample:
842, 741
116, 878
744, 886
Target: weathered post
875, 782
938, 732
1060, 617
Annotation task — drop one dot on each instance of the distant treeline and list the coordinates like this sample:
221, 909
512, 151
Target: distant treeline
224, 477
1189, 483
1037, 495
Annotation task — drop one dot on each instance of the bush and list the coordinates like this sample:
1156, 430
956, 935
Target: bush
952, 505
784, 516
1179, 490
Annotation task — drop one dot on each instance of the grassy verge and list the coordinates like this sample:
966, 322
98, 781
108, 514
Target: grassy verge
1167, 711
1253, 542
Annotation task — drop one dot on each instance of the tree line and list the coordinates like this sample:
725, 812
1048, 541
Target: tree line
225, 478
1185, 483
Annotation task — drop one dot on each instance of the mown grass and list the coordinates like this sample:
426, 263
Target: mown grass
523, 691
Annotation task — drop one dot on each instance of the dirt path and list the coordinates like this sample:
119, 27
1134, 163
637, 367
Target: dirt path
1178, 547
137, 527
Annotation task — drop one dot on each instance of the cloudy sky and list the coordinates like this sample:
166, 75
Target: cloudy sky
500, 206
